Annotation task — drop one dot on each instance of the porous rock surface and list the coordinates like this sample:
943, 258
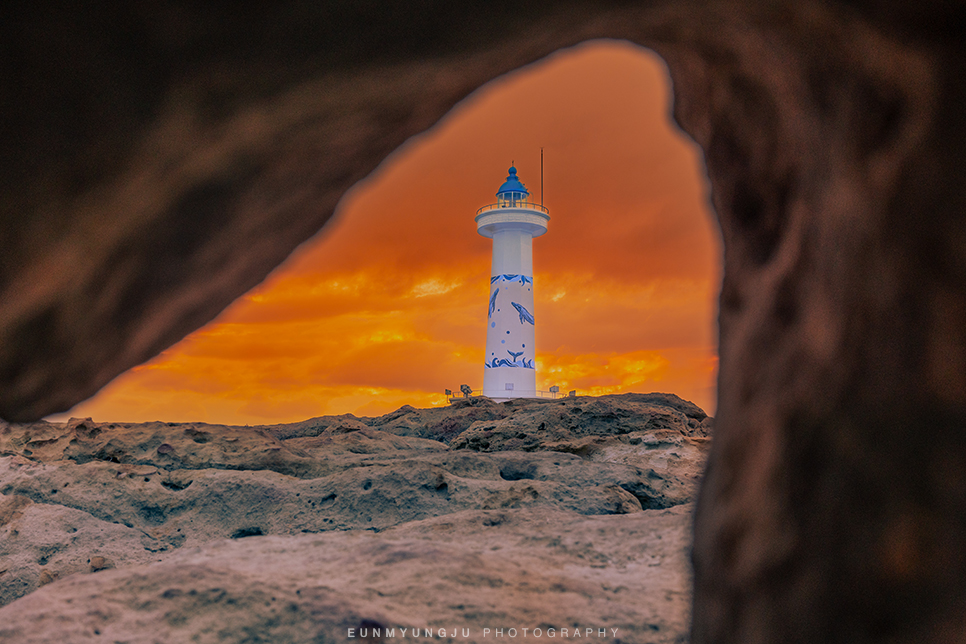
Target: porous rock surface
298, 532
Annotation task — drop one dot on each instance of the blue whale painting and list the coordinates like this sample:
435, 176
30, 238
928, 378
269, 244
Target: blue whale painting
525, 315
492, 303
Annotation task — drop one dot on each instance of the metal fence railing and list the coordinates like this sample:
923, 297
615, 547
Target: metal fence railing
476, 393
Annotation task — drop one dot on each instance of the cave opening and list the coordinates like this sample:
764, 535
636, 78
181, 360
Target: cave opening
383, 307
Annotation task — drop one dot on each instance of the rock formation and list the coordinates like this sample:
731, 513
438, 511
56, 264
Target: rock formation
142, 146
358, 520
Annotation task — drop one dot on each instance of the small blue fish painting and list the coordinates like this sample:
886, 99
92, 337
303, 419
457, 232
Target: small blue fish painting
492, 304
525, 315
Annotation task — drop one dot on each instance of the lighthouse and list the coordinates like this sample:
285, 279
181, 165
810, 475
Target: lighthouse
512, 223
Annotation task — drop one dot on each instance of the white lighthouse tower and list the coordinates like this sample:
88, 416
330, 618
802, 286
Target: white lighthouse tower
512, 223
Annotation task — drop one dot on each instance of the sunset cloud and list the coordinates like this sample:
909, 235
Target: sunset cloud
387, 306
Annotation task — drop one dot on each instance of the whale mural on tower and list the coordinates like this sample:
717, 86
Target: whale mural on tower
525, 315
516, 362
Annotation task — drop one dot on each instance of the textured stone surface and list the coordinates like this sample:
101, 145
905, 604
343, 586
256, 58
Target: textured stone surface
40, 543
83, 497
562, 423
140, 148
470, 570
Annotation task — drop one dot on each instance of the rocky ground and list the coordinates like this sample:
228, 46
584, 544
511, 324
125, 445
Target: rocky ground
568, 514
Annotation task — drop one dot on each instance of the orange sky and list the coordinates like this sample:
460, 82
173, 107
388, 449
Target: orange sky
387, 306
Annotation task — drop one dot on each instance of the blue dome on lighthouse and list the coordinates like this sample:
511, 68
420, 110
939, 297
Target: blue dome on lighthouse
512, 184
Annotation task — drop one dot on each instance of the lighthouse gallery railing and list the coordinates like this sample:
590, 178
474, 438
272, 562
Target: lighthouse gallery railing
524, 205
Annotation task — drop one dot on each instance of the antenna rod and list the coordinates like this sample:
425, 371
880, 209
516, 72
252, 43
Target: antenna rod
541, 176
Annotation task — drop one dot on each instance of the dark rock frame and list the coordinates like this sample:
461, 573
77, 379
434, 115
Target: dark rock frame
142, 147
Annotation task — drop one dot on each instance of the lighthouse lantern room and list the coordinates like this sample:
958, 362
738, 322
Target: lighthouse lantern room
512, 223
